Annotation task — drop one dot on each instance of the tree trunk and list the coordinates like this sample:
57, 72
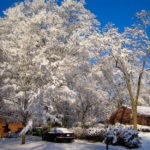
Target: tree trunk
134, 103
134, 112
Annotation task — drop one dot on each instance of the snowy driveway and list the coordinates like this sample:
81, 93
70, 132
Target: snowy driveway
35, 143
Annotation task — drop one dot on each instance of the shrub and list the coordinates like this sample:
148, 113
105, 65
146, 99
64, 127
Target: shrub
37, 131
115, 135
95, 134
121, 135
92, 134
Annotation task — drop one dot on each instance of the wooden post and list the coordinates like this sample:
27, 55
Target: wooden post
23, 139
108, 141
106, 146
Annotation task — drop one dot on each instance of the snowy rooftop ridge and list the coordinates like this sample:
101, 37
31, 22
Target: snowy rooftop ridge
143, 110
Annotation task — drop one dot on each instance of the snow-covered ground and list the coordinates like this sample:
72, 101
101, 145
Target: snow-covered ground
145, 140
35, 143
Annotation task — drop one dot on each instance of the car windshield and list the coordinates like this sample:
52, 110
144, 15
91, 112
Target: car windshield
62, 130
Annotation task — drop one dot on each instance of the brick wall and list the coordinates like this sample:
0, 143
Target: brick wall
124, 115
13, 127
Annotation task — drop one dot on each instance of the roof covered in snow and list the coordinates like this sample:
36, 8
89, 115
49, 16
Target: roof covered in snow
145, 110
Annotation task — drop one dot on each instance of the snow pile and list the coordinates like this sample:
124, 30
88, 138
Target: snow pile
143, 128
122, 135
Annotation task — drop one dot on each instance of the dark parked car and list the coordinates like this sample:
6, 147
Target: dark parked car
58, 135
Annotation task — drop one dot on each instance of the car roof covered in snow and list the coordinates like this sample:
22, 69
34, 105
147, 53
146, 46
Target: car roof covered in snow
60, 130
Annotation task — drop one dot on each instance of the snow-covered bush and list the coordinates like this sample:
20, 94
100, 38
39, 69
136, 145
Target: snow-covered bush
122, 135
95, 134
116, 135
92, 134
78, 131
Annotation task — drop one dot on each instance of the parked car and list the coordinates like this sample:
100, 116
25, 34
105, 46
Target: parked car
58, 135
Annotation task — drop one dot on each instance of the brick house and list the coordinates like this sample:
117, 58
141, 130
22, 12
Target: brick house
6, 127
123, 115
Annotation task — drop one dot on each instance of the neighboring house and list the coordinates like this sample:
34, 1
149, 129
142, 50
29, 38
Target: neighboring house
6, 127
15, 127
123, 115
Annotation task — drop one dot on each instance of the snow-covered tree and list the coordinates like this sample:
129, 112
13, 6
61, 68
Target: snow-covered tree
128, 53
54, 57
44, 42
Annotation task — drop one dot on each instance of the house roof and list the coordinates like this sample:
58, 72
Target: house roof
144, 110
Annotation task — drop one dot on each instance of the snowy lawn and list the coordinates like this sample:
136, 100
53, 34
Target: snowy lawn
35, 143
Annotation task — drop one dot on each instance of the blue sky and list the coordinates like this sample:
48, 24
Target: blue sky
119, 12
